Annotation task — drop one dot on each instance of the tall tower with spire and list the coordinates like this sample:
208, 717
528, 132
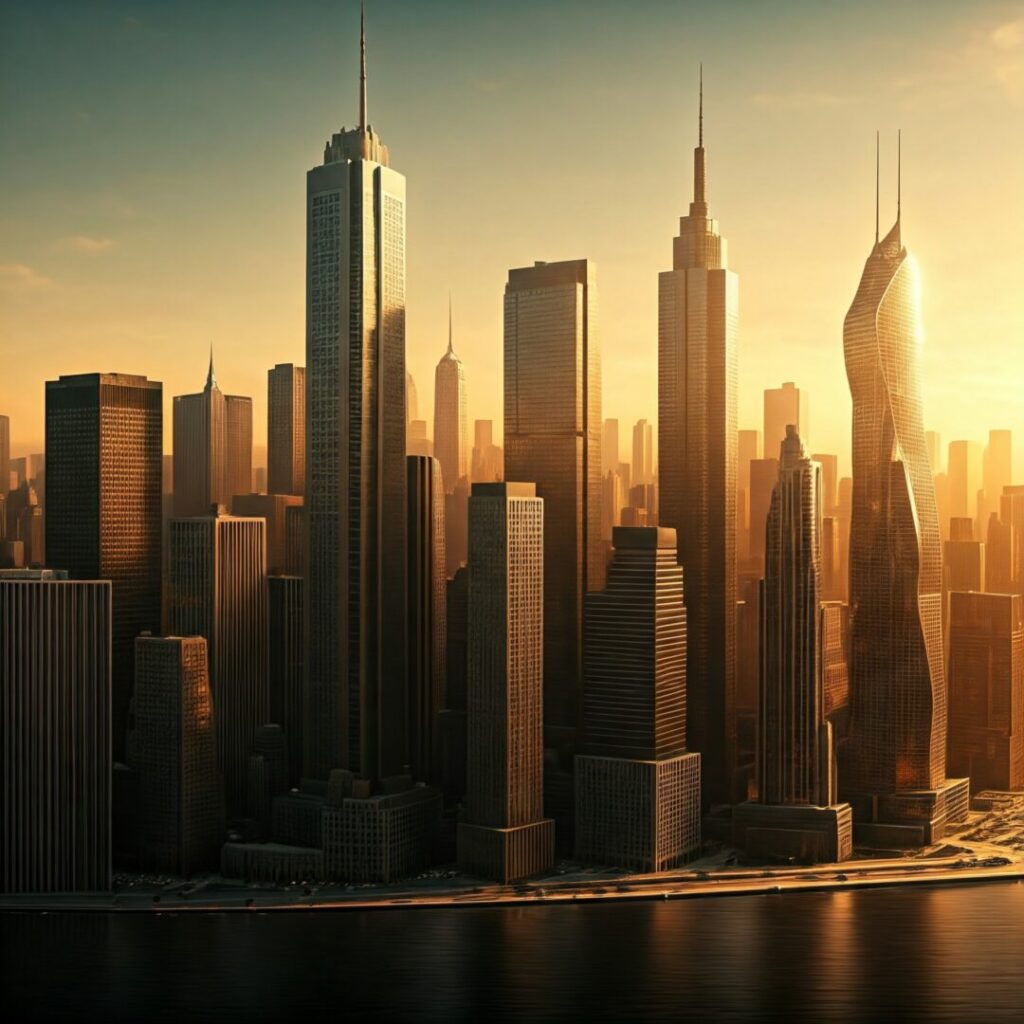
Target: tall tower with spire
355, 458
897, 749
451, 428
698, 302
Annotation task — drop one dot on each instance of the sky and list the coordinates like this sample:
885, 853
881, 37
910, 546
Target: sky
153, 159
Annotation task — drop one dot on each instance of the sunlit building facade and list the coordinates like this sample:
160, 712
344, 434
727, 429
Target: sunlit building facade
698, 305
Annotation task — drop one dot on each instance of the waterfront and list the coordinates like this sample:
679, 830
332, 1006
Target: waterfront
919, 952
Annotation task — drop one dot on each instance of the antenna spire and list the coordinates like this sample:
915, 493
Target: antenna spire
211, 380
362, 67
876, 186
449, 320
899, 172
700, 116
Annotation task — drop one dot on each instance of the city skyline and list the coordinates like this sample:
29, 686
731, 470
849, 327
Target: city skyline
89, 262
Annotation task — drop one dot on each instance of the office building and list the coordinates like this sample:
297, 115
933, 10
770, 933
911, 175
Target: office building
104, 439
286, 429
173, 753
698, 306
488, 464
217, 589
782, 408
504, 834
643, 453
609, 447
451, 428
897, 783
965, 478
55, 806
273, 508
637, 789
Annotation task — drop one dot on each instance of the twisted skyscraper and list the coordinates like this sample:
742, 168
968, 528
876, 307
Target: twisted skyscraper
698, 303
897, 679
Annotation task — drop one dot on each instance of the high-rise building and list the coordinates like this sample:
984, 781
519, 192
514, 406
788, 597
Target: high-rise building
488, 464
553, 432
829, 482
427, 623
764, 473
273, 508
996, 474
286, 622
897, 680
286, 429
217, 589
55, 744
456, 527
355, 466
797, 813
451, 428
412, 401
173, 753
782, 408
835, 630
698, 305
212, 448
609, 447
637, 789
965, 478
963, 562
933, 443
5, 455
417, 442
748, 448
504, 834
986, 689
643, 453
104, 440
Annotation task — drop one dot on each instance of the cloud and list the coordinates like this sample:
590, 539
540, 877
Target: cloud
798, 100
88, 243
20, 277
488, 85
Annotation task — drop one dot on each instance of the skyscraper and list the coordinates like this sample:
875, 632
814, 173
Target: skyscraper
965, 478
286, 429
412, 401
5, 455
782, 407
643, 453
427, 623
451, 428
997, 473
356, 471
553, 437
637, 789
173, 751
897, 679
796, 813
104, 436
488, 464
698, 302
505, 835
217, 589
764, 474
55, 661
274, 508
286, 622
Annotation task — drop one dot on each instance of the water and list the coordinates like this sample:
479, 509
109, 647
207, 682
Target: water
917, 953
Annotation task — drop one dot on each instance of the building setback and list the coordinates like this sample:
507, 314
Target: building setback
173, 752
217, 589
986, 690
55, 743
698, 305
504, 834
104, 440
286, 429
637, 789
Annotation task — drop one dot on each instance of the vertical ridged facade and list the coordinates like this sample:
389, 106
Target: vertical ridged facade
698, 306
553, 432
427, 613
55, 742
104, 441
286, 429
174, 755
897, 679
355, 460
504, 834
218, 590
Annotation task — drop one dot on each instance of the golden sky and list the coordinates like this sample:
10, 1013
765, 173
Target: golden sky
153, 159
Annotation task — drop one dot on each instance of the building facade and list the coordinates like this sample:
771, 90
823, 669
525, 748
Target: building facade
104, 440
287, 628
286, 429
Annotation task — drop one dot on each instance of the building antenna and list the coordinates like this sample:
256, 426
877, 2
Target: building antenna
449, 320
362, 66
700, 116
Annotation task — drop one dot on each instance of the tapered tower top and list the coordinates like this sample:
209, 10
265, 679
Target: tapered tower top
211, 377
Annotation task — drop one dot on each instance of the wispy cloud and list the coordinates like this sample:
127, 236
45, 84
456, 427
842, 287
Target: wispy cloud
87, 243
21, 277
798, 100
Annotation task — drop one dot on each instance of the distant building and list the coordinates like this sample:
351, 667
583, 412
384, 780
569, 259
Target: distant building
212, 448
451, 428
637, 789
609, 447
488, 465
835, 671
963, 562
504, 834
273, 508
5, 455
217, 589
104, 441
986, 690
456, 527
996, 474
763, 475
286, 621
286, 429
55, 803
173, 752
782, 408
643, 453
965, 478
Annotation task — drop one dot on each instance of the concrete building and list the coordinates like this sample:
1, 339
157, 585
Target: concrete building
286, 429
173, 753
986, 690
104, 439
217, 589
504, 834
55, 742
637, 789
